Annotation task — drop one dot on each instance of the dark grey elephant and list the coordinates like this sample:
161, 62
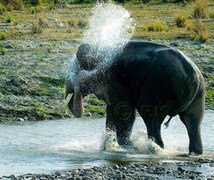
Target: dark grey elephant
153, 79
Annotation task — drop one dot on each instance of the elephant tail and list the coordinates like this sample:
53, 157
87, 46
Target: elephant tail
167, 123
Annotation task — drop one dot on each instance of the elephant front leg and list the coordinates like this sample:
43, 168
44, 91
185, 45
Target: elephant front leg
120, 119
154, 132
153, 118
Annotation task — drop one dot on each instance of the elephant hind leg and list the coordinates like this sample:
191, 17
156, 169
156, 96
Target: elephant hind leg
192, 120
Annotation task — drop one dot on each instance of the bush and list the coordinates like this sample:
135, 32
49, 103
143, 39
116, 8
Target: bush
9, 19
2, 9
199, 10
157, 26
14, 4
200, 32
2, 51
181, 21
183, 1
145, 1
35, 2
211, 15
3, 36
36, 29
35, 10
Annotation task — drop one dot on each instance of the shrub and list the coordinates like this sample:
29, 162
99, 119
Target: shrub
200, 32
3, 36
9, 19
36, 29
181, 21
157, 26
36, 2
211, 15
35, 10
33, 2
2, 9
2, 50
199, 10
145, 1
9, 7
14, 4
183, 1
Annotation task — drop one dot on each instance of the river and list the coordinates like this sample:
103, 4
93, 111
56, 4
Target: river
51, 145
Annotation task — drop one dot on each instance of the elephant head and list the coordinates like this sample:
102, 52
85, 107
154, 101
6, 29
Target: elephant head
84, 70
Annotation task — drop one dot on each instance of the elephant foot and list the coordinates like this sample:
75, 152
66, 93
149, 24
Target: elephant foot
111, 144
196, 152
124, 142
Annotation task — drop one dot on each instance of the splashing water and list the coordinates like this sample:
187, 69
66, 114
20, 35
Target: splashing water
110, 25
110, 28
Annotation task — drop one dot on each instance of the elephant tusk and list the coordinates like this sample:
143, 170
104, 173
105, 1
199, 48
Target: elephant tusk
68, 98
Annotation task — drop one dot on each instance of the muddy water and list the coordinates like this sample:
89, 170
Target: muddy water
46, 146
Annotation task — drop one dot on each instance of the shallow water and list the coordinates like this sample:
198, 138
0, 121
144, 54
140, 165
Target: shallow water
46, 146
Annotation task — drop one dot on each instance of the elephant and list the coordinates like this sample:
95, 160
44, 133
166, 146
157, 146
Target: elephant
152, 79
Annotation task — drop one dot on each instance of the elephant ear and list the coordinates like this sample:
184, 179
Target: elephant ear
76, 103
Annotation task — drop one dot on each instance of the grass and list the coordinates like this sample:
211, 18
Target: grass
199, 10
166, 13
154, 20
75, 18
181, 21
94, 105
3, 35
200, 31
210, 97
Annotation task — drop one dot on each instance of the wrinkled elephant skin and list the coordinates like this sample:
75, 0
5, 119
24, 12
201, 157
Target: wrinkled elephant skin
153, 79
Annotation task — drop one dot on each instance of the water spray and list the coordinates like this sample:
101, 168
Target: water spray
110, 29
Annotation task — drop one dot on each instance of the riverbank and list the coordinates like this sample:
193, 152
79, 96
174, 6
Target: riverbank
38, 43
33, 75
148, 171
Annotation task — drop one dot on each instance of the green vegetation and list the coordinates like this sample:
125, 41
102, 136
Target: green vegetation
199, 10
9, 19
94, 105
155, 19
2, 50
181, 21
3, 35
210, 96
62, 20
13, 4
157, 26
2, 9
200, 32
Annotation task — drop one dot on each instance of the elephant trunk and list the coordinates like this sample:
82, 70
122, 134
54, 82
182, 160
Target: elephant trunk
74, 99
